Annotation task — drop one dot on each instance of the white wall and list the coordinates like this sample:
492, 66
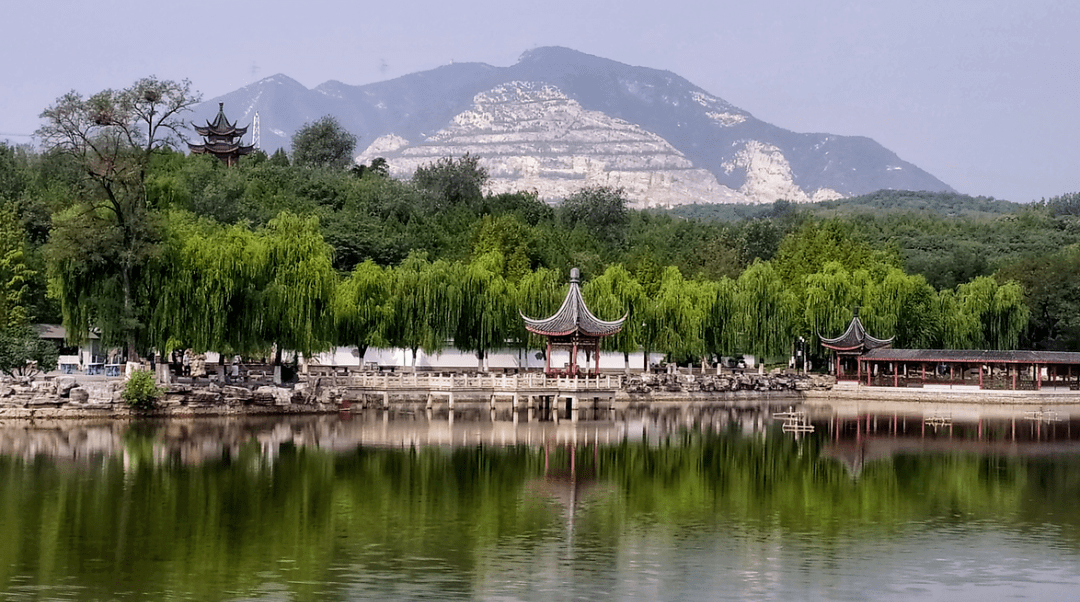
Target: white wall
454, 359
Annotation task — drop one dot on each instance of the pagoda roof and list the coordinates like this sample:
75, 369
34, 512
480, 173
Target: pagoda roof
855, 338
219, 147
573, 317
220, 126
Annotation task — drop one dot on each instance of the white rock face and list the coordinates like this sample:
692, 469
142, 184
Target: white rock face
769, 178
532, 137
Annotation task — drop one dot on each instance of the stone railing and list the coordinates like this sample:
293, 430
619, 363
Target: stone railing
460, 382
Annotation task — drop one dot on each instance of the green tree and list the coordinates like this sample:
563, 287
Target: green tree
425, 301
299, 294
362, 307
23, 353
600, 210
539, 294
279, 158
452, 182
111, 137
764, 312
487, 315
208, 288
323, 143
615, 294
15, 273
673, 320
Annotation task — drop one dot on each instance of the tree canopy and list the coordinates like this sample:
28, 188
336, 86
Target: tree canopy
323, 143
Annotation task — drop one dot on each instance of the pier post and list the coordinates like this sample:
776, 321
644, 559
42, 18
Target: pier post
386, 400
450, 398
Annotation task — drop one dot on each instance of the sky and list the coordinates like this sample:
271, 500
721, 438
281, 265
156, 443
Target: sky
982, 94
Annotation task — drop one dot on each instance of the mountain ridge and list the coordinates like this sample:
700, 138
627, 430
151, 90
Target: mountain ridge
729, 151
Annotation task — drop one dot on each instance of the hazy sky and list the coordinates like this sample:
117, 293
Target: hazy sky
981, 93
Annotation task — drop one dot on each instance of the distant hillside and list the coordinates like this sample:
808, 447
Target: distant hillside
559, 119
941, 204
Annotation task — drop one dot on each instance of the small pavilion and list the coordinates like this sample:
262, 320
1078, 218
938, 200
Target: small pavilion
573, 327
220, 138
850, 346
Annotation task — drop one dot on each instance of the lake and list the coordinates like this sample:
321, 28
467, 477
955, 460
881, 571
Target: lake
694, 502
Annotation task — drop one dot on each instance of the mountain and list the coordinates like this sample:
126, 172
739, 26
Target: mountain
559, 119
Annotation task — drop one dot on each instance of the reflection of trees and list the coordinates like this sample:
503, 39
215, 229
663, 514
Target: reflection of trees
243, 520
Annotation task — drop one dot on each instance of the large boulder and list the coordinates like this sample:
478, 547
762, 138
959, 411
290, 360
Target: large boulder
79, 395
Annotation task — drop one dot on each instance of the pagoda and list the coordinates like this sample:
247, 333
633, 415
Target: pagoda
220, 138
573, 327
852, 344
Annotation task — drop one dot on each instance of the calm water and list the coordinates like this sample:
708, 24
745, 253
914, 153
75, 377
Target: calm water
704, 503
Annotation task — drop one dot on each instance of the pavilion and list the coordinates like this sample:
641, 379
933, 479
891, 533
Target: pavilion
220, 139
573, 327
873, 362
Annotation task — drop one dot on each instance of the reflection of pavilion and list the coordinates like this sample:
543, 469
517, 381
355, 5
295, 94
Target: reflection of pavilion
861, 438
569, 484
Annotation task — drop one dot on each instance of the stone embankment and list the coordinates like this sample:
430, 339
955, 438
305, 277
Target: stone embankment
65, 397
708, 383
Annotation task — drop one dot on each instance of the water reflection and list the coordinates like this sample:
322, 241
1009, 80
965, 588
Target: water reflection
672, 502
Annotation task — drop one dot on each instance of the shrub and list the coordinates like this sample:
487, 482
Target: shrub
140, 392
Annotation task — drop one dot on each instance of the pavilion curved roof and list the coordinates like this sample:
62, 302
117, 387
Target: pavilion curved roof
573, 317
220, 126
855, 338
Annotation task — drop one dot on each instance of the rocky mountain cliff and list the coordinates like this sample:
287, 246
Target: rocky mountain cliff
559, 119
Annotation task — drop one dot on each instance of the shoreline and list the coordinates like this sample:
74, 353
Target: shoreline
62, 399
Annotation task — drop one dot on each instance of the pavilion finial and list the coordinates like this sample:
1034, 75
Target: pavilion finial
575, 276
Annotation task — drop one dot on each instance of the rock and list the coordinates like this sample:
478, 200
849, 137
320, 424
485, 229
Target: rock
64, 385
236, 394
205, 396
79, 395
279, 395
103, 392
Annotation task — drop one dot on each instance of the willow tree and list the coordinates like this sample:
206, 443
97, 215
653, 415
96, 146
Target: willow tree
362, 307
425, 301
673, 320
101, 246
830, 296
612, 295
720, 326
15, 273
539, 294
297, 302
208, 287
983, 314
764, 312
487, 311
904, 307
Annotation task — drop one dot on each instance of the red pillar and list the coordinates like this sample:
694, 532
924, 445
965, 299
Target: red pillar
596, 351
547, 358
895, 376
573, 361
980, 386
